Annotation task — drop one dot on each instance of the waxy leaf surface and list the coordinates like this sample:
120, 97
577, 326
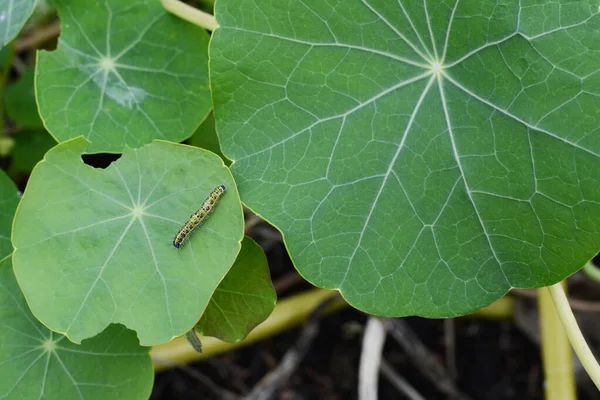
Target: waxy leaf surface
94, 246
124, 73
423, 157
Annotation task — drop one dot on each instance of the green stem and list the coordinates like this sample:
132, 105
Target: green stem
569, 323
289, 313
191, 14
557, 356
592, 271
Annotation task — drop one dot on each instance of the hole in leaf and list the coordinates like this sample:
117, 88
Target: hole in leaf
101, 160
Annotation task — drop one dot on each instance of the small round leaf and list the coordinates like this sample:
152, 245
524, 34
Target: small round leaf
123, 74
94, 246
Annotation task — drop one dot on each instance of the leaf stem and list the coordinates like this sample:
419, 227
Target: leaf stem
592, 271
289, 313
191, 14
577, 340
557, 356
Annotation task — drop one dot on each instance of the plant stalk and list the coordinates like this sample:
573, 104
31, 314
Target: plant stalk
191, 14
575, 336
557, 356
289, 313
592, 271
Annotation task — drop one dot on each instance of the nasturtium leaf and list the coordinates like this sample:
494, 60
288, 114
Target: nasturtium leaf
19, 101
9, 199
123, 74
13, 15
421, 157
206, 138
36, 363
243, 299
95, 246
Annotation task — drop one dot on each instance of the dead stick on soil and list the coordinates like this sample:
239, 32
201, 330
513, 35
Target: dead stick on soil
450, 345
273, 381
422, 358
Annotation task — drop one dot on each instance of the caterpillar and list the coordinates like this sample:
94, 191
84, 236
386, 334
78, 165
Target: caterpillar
197, 218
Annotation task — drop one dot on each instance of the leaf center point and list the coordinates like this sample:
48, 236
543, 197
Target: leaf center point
49, 345
107, 64
137, 211
436, 67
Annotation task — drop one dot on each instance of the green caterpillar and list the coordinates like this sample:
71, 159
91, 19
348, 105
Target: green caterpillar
197, 218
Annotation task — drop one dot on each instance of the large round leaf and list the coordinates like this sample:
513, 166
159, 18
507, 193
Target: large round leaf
8, 204
94, 246
422, 157
36, 363
123, 74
